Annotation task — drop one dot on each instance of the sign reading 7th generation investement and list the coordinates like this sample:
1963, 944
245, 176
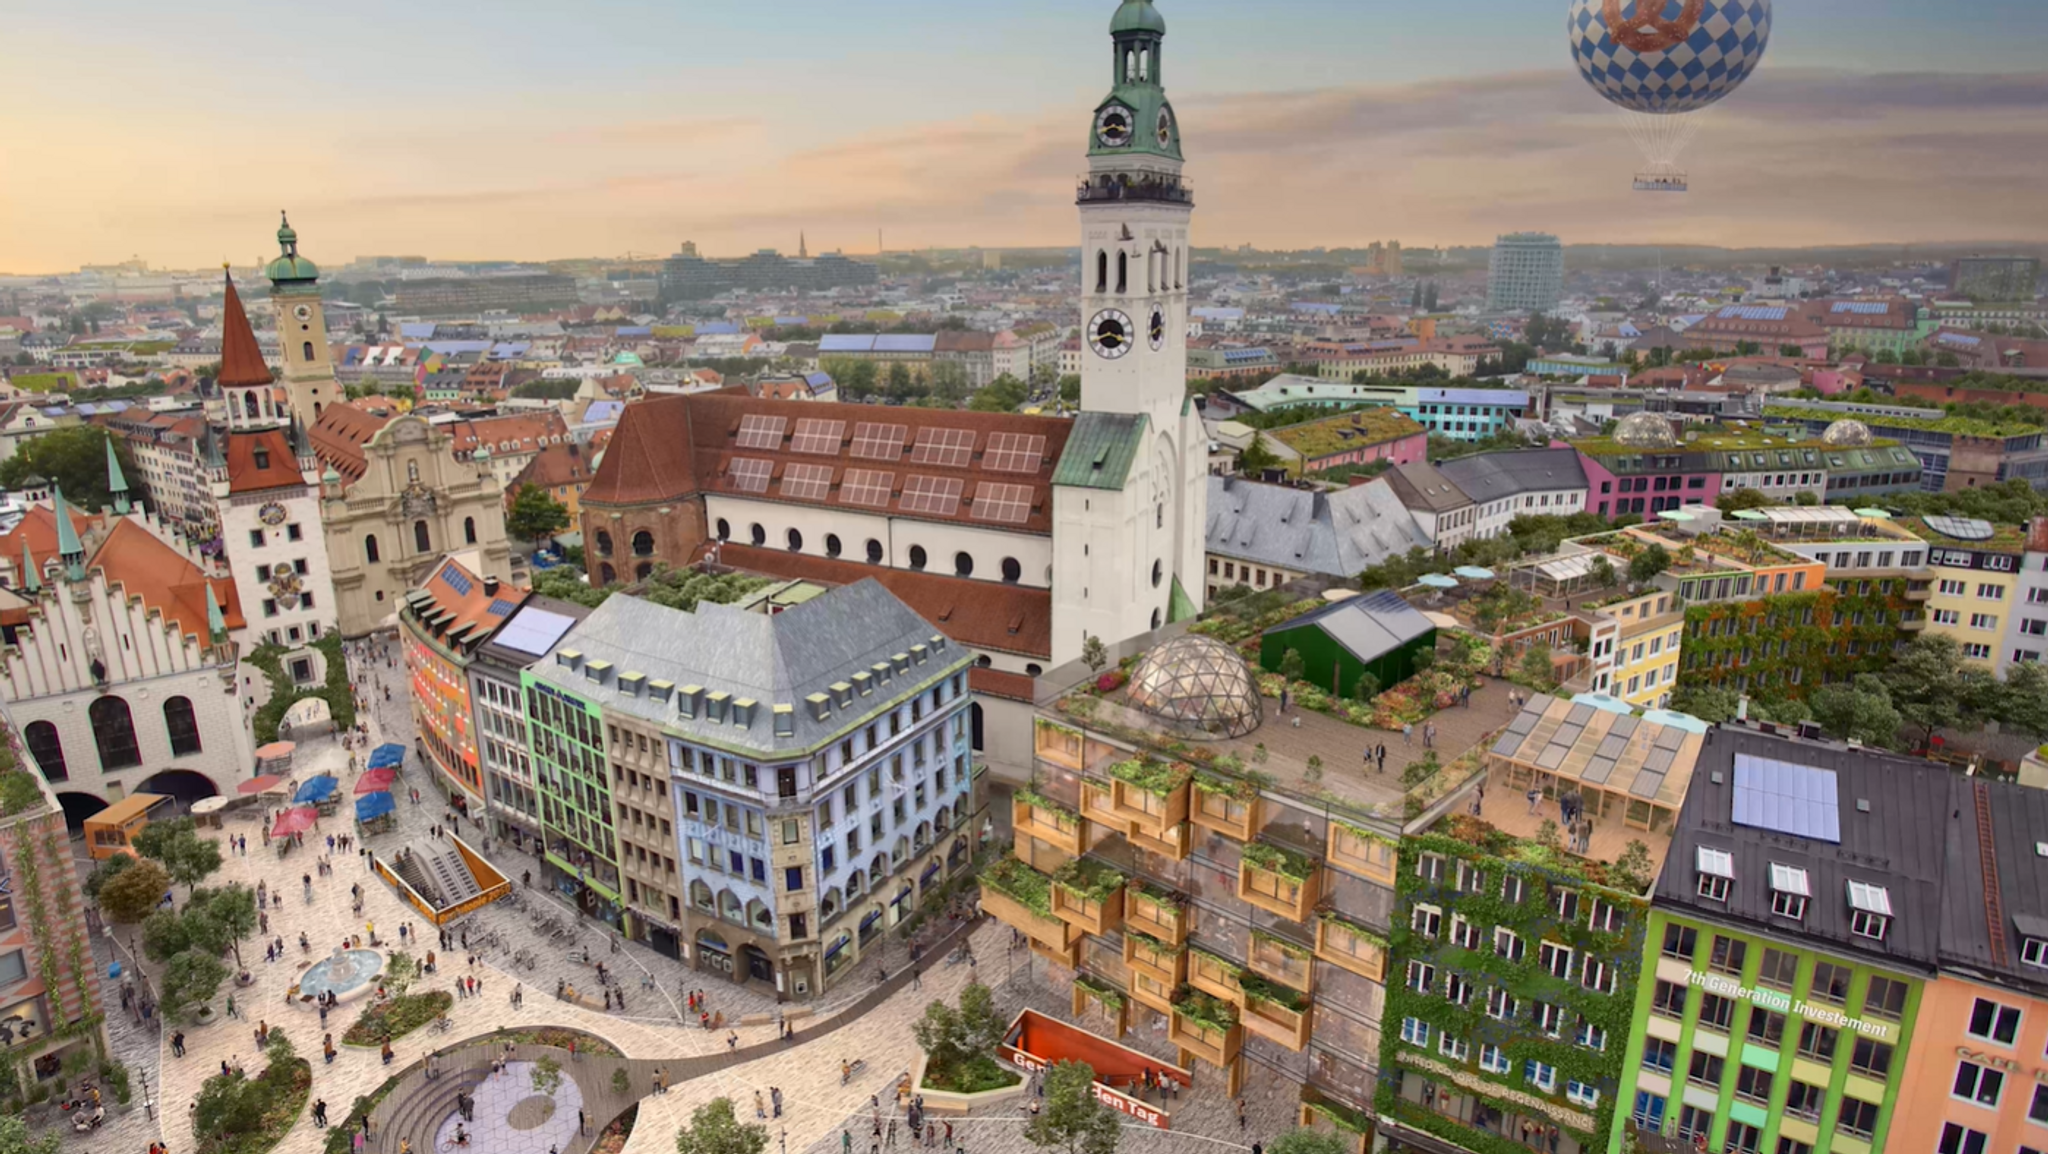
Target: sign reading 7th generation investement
1785, 1004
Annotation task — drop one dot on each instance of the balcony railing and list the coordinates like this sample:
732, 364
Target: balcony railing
1155, 189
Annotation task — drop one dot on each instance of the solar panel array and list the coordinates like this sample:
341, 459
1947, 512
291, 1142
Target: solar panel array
1786, 798
534, 631
1862, 308
1014, 452
761, 432
807, 482
750, 474
1753, 313
945, 448
816, 436
1004, 504
938, 496
869, 487
501, 608
872, 442
455, 579
1962, 528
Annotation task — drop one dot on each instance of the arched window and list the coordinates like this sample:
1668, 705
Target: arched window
412, 471
917, 558
113, 730
1102, 270
1130, 66
832, 545
1144, 64
643, 570
724, 529
370, 549
700, 896
874, 551
1158, 572
758, 533
643, 544
606, 574
984, 661
1013, 571
604, 542
469, 530
48, 749
307, 349
249, 403
796, 541
183, 726
729, 907
963, 564
420, 540
1156, 622
1123, 271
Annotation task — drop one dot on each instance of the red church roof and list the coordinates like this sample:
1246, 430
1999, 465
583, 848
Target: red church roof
241, 359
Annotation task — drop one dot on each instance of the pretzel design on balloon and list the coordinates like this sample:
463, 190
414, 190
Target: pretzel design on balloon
1649, 31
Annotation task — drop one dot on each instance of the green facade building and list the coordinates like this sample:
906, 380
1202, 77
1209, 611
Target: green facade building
581, 858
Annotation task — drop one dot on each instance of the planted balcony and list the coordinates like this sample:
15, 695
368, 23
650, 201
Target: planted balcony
1020, 897
1147, 990
1282, 961
1088, 895
1046, 820
1225, 805
1157, 912
1149, 956
1094, 990
1151, 795
1278, 880
1345, 943
1172, 842
1368, 853
1216, 976
1205, 1027
1276, 1013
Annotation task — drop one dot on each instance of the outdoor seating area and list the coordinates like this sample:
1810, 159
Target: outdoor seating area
1629, 772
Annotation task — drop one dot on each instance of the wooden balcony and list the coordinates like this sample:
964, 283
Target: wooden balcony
1089, 896
1152, 796
1352, 947
1277, 1014
1059, 744
1282, 961
1157, 913
1352, 1127
1110, 998
1357, 850
1215, 976
1225, 806
1147, 990
1010, 891
1157, 960
1279, 881
1068, 956
1172, 842
1045, 820
1205, 1035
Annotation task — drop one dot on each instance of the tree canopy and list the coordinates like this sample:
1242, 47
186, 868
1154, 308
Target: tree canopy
188, 857
714, 1129
75, 459
1073, 1120
535, 516
132, 894
1005, 394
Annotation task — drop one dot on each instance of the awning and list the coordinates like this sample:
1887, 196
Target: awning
926, 877
389, 754
870, 919
375, 781
258, 784
317, 790
293, 821
374, 805
275, 750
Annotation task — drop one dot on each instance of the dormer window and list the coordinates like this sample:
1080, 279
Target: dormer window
1716, 873
1789, 891
2034, 952
262, 457
1870, 910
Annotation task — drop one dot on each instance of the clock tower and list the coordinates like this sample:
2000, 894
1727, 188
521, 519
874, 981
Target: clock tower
301, 329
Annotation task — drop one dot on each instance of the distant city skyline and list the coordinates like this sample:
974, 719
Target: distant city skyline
174, 135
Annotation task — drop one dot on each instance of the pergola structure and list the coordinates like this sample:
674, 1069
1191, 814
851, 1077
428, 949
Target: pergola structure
1626, 768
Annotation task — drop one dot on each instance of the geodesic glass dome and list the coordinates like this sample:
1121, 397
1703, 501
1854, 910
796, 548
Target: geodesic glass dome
1198, 682
1644, 431
1848, 434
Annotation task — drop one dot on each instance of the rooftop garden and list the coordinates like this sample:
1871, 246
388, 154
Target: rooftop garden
1020, 883
1333, 435
1506, 609
1273, 859
1153, 777
2003, 539
1088, 879
1259, 989
1953, 425
1208, 1012
1631, 873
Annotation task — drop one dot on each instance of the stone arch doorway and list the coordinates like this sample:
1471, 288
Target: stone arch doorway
185, 785
759, 966
78, 807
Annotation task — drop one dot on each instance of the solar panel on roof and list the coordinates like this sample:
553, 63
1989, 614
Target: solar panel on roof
1552, 757
1507, 745
1014, 452
816, 436
1785, 798
1861, 308
1646, 784
867, 487
943, 448
750, 474
760, 432
501, 608
1007, 504
1625, 726
456, 579
872, 442
1962, 528
807, 482
1580, 714
1598, 771
937, 496
534, 631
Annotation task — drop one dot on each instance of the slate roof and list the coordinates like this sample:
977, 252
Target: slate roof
1491, 476
1421, 485
1368, 627
1101, 450
1895, 841
1334, 534
778, 659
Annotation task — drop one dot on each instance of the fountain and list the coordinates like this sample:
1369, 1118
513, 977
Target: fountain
346, 974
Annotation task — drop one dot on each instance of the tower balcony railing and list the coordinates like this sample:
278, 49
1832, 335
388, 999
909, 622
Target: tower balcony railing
1153, 188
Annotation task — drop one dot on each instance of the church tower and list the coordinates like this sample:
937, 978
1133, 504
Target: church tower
246, 385
301, 329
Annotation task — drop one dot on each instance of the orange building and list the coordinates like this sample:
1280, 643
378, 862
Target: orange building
442, 623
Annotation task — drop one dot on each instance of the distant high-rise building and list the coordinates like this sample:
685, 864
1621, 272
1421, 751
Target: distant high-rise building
1527, 273
1995, 278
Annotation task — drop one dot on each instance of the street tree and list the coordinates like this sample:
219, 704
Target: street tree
1255, 458
134, 893
74, 459
714, 1129
107, 871
1861, 710
1710, 704
1070, 389
177, 844
219, 919
1073, 1120
190, 981
1933, 690
535, 516
16, 1139
1005, 394
2021, 701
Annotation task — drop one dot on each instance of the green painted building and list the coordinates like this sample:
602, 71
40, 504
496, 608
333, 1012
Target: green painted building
1377, 633
567, 734
1794, 924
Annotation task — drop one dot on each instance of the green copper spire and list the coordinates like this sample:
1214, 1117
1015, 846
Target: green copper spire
117, 484
69, 548
216, 625
31, 581
1136, 119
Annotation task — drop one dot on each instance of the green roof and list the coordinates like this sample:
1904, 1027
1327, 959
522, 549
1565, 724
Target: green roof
1137, 16
1100, 450
1323, 438
2003, 539
1957, 426
290, 268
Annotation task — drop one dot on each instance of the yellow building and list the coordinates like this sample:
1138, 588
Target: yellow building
1976, 581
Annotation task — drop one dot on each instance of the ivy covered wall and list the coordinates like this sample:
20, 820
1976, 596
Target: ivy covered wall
1788, 644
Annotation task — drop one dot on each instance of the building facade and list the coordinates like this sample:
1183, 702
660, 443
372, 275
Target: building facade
1978, 585
49, 1008
1526, 273
504, 745
2026, 636
440, 626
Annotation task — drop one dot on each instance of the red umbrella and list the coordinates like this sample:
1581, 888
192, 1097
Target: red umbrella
293, 821
375, 781
258, 784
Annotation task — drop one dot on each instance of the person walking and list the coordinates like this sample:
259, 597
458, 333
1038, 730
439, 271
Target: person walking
1407, 733
178, 1044
320, 1113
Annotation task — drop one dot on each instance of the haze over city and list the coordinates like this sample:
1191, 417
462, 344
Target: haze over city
543, 132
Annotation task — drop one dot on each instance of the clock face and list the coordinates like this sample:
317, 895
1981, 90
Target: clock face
271, 514
1166, 128
1111, 334
1113, 126
303, 312
1155, 327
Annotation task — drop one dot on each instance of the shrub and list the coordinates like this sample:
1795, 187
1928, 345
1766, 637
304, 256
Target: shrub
398, 1017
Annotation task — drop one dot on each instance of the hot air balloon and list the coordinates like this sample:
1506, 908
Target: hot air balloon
1661, 62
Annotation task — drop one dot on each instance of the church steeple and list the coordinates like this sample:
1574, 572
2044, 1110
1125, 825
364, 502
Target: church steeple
301, 327
1136, 121
117, 483
245, 381
70, 549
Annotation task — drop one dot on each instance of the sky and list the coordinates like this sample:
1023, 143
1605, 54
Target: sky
535, 130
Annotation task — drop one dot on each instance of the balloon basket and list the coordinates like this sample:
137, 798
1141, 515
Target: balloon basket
1660, 182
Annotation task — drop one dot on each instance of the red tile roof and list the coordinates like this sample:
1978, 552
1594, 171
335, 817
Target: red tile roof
39, 528
999, 683
556, 465
519, 433
461, 595
241, 359
1009, 618
645, 461
278, 467
165, 579
342, 431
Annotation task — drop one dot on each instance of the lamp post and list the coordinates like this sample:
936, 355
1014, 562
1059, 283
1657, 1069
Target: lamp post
148, 1106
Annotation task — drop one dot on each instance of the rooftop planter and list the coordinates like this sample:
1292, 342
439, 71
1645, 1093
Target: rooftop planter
1280, 960
1206, 1027
1229, 806
1147, 990
1018, 896
1152, 795
1046, 820
1171, 842
1160, 913
1088, 895
1089, 989
1276, 1013
1167, 963
1216, 976
1278, 880
1347, 944
1059, 744
1366, 852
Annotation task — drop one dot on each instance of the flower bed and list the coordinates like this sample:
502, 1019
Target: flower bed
288, 1088
397, 1018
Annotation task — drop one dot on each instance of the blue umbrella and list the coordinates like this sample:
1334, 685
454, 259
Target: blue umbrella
1438, 581
1473, 573
374, 805
317, 790
390, 753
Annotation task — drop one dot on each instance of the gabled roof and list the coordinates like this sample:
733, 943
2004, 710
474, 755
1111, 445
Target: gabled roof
1333, 534
517, 433
241, 359
1368, 627
165, 579
564, 464
455, 606
342, 431
1491, 476
280, 467
1101, 450
647, 459
1421, 485
38, 530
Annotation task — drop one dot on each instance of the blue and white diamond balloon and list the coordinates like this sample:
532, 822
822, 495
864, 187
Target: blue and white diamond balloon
1664, 57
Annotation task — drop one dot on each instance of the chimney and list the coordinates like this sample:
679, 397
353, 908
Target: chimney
490, 586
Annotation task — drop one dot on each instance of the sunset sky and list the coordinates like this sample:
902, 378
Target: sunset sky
523, 129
